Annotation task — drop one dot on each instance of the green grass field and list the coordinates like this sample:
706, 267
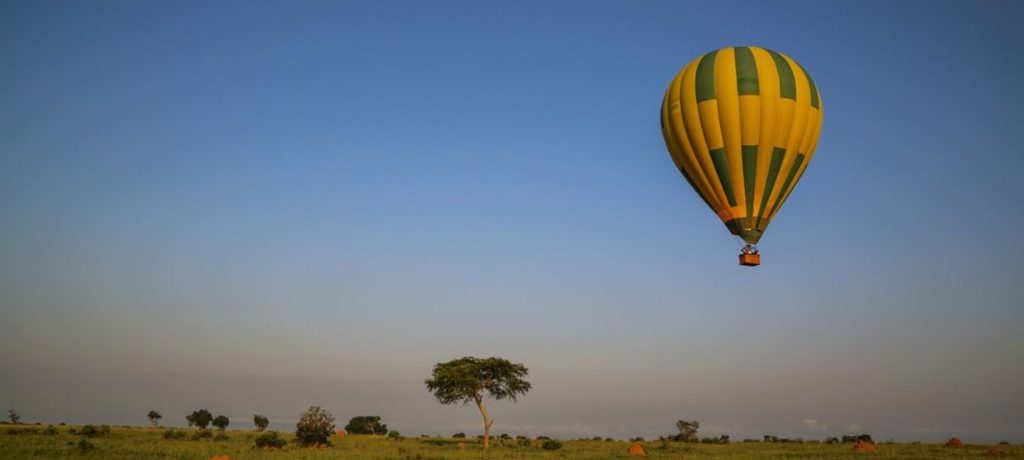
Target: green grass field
146, 443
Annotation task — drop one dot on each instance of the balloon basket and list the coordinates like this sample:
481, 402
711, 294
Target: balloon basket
750, 259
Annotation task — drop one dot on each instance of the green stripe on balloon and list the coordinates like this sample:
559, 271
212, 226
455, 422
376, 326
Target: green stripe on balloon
706, 77
787, 84
722, 168
746, 72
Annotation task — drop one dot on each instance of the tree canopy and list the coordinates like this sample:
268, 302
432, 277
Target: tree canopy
467, 379
200, 418
221, 422
260, 421
366, 424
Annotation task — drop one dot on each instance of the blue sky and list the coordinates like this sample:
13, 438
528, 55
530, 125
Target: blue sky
259, 206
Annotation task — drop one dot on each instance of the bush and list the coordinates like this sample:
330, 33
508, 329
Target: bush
831, 440
523, 441
221, 437
270, 440
394, 434
91, 431
315, 428
51, 430
173, 434
84, 445
104, 429
551, 444
854, 438
459, 435
637, 439
203, 433
366, 424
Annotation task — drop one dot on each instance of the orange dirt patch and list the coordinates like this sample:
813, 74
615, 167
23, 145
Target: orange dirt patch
341, 434
955, 443
863, 446
462, 445
636, 450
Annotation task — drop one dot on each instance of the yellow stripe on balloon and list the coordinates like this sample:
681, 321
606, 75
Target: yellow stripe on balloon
728, 105
768, 86
695, 134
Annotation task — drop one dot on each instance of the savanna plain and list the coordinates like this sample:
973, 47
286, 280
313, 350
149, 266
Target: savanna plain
46, 442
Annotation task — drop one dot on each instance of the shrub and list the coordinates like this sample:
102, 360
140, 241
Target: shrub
203, 433
551, 444
394, 434
504, 436
270, 440
854, 438
51, 430
315, 427
90, 431
221, 437
366, 424
832, 440
543, 438
637, 439
523, 441
84, 445
104, 429
173, 434
459, 435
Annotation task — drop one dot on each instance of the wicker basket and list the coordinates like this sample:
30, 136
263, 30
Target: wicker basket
750, 260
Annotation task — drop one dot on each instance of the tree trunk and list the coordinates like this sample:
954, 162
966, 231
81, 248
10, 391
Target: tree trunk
487, 421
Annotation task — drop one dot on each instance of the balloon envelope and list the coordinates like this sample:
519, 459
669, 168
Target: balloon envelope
741, 125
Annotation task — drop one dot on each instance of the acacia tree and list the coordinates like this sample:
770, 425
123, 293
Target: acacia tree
154, 417
470, 379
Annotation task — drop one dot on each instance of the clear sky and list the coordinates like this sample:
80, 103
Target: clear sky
261, 206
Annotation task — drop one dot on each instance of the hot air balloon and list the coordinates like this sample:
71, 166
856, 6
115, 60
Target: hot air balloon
741, 125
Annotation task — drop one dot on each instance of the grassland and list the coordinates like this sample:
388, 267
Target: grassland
148, 443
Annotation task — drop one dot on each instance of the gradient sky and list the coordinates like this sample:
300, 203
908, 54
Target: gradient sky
254, 207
